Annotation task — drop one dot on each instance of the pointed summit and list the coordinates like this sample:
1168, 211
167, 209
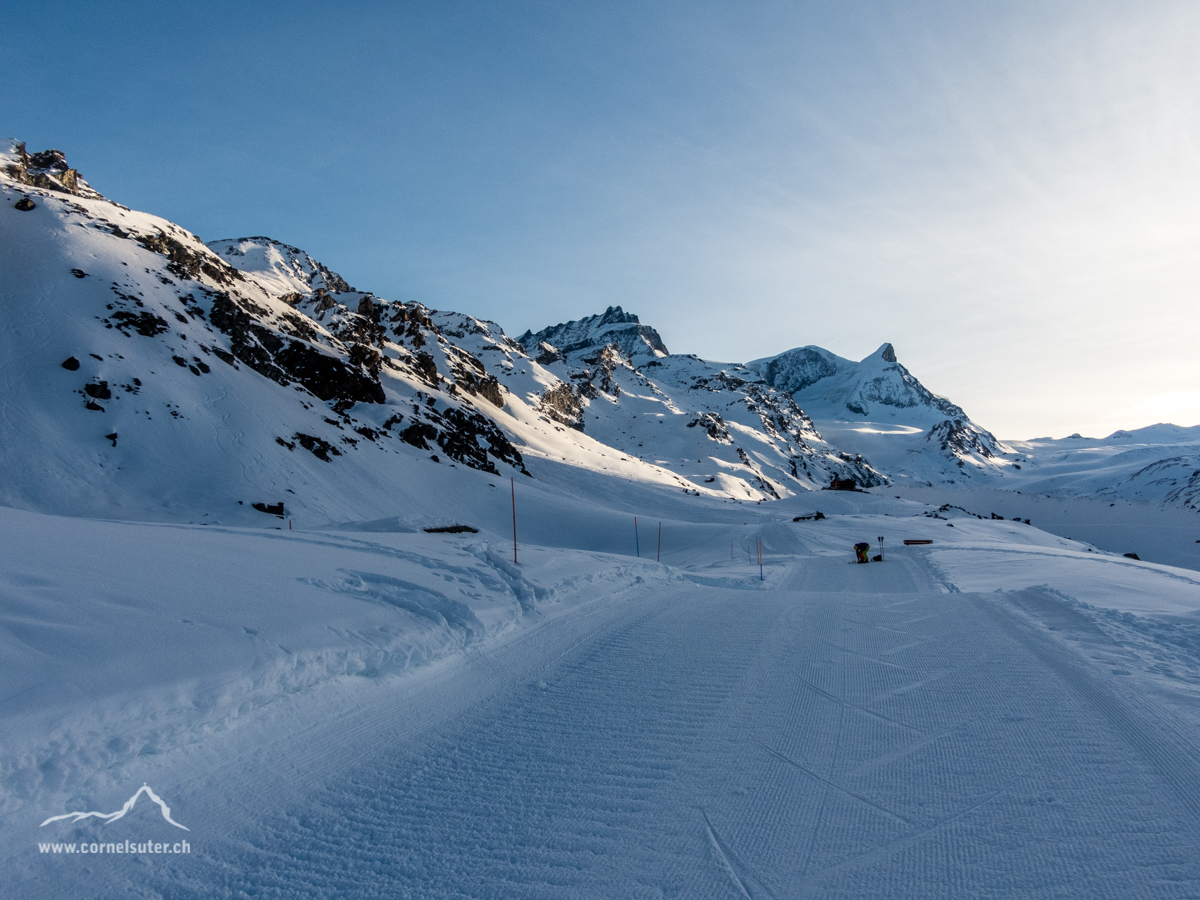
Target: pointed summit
878, 395
831, 385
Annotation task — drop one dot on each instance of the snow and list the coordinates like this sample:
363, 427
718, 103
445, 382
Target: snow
876, 408
1114, 583
1159, 463
1155, 532
279, 268
589, 723
336, 701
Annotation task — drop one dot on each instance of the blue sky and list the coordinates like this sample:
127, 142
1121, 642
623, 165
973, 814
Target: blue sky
1008, 192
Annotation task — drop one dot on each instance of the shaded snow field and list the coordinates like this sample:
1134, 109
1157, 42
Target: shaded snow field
369, 710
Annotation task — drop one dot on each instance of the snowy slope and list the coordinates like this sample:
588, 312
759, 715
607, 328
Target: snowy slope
711, 424
395, 714
247, 372
876, 407
1159, 463
145, 377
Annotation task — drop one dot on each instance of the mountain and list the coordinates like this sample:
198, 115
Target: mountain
1161, 433
710, 424
149, 375
878, 386
637, 342
47, 170
285, 271
878, 408
145, 375
1158, 464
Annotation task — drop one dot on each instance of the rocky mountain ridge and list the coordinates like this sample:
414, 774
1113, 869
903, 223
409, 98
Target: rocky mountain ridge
162, 377
149, 374
638, 342
140, 306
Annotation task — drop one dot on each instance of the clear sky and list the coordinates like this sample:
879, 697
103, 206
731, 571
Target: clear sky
1009, 192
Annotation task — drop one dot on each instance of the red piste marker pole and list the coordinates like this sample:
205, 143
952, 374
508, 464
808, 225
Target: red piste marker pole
659, 542
760, 572
513, 485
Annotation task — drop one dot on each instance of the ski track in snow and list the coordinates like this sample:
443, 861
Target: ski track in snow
704, 742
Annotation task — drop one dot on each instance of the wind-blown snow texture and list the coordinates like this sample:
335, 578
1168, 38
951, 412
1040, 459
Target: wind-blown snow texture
258, 531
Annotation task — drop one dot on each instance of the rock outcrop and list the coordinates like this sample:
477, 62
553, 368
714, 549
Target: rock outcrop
47, 170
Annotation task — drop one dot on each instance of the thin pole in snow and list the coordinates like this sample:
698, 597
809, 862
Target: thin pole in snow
289, 524
659, 542
637, 544
513, 486
760, 572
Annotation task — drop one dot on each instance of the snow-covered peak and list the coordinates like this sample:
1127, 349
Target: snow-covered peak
879, 408
280, 268
639, 343
829, 386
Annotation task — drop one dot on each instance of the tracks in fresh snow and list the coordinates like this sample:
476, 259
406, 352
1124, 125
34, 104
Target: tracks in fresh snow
715, 743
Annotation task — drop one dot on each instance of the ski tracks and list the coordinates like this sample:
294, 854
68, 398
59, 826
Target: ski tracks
715, 743
1004, 785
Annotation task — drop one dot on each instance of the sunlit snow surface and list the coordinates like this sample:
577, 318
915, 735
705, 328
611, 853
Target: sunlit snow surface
373, 711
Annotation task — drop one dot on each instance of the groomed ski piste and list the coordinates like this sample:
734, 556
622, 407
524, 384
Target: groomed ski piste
365, 709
